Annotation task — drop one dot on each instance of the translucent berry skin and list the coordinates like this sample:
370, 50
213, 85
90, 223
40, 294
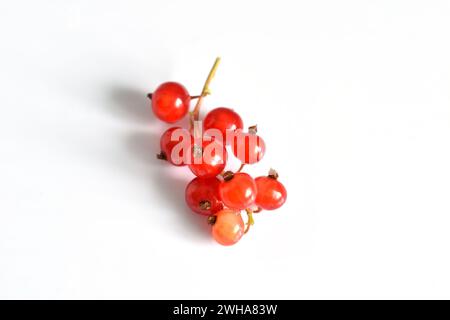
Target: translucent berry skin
249, 148
239, 192
167, 146
228, 228
271, 193
202, 196
170, 102
212, 163
223, 119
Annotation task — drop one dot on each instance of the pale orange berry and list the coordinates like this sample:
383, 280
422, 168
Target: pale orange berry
228, 227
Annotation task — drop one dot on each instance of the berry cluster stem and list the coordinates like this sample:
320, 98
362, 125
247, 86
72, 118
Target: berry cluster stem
205, 91
250, 220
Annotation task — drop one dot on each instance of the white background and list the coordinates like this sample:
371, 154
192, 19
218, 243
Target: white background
352, 98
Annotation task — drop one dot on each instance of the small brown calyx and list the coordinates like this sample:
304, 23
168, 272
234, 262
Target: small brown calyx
161, 156
149, 96
253, 129
273, 174
228, 175
205, 205
257, 210
212, 220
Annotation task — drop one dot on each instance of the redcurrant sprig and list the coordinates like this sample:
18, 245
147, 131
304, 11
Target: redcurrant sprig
221, 195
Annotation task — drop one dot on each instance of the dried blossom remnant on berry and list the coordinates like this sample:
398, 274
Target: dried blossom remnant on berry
205, 205
253, 129
257, 210
161, 156
212, 220
228, 175
273, 174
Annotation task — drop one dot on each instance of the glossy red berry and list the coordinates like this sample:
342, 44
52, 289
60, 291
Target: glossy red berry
248, 147
223, 119
202, 196
176, 143
170, 102
237, 191
228, 227
271, 193
208, 160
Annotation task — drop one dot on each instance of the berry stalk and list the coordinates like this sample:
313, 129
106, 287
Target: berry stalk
250, 220
205, 91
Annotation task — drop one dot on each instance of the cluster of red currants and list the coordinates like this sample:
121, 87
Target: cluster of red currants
218, 194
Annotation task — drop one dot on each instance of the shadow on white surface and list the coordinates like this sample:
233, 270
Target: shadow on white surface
132, 104
168, 181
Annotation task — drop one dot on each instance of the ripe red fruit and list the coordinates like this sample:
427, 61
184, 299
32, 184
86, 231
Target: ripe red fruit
238, 191
228, 227
179, 138
271, 193
209, 160
170, 102
248, 147
223, 119
202, 196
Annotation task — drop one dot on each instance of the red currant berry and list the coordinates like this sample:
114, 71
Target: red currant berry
228, 227
237, 191
208, 160
248, 147
271, 193
202, 196
223, 119
174, 142
170, 102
